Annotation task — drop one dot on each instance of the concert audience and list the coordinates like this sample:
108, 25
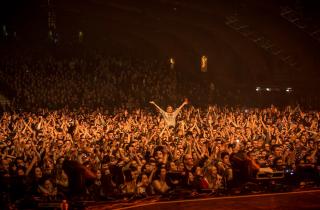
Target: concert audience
78, 152
136, 154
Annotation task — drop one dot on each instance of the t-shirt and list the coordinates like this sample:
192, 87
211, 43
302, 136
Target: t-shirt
170, 118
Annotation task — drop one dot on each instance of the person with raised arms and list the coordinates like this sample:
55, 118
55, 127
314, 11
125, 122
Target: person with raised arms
169, 115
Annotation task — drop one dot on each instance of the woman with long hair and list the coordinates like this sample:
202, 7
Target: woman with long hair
160, 184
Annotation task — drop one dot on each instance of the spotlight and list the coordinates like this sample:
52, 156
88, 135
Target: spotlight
258, 89
289, 90
268, 89
204, 63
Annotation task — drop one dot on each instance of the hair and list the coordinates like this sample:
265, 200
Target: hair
275, 160
127, 175
157, 176
140, 176
223, 154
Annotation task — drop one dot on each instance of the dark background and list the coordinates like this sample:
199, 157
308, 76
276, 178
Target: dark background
183, 29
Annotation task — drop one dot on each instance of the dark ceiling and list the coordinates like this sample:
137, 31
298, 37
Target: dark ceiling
185, 30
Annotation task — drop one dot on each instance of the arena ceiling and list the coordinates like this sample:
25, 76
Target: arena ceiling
246, 42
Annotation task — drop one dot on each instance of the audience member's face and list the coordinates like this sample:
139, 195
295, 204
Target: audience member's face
134, 163
163, 172
180, 167
20, 172
255, 144
252, 156
147, 168
98, 174
303, 139
145, 179
27, 145
213, 171
37, 172
270, 158
188, 160
60, 143
263, 153
152, 166
199, 171
309, 158
5, 164
226, 159
159, 155
169, 109
48, 185
190, 177
20, 162
173, 166
248, 144
110, 135
279, 162
267, 147
277, 151
311, 144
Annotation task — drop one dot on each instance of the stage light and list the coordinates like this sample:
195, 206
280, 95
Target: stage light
258, 89
268, 89
204, 63
80, 36
289, 90
172, 63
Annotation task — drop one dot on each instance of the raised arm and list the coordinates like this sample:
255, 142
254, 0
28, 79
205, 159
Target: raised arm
185, 102
158, 107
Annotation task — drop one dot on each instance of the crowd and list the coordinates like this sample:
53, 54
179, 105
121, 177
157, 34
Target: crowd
88, 80
83, 128
39, 79
104, 155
